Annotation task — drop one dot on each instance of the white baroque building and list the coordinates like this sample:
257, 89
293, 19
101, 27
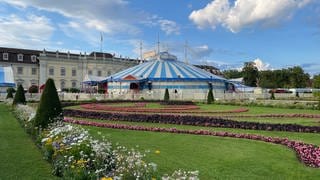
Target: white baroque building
33, 67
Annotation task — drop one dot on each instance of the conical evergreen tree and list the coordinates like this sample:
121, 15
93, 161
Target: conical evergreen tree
166, 95
49, 109
10, 92
19, 97
210, 98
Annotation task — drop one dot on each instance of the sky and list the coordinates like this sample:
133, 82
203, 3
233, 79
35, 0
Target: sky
223, 33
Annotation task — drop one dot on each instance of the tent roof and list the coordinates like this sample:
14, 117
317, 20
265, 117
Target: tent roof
164, 67
92, 80
6, 77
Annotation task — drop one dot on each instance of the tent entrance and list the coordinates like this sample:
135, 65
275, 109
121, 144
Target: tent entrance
134, 86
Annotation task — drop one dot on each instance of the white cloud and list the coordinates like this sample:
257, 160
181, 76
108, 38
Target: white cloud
200, 52
261, 65
245, 13
24, 32
169, 27
106, 16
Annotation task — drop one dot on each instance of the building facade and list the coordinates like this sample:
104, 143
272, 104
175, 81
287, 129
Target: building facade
32, 67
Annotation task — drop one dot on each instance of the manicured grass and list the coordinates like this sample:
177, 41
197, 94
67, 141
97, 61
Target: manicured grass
20, 158
258, 110
313, 138
301, 121
214, 157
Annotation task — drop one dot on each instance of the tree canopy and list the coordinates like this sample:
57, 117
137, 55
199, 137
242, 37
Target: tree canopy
250, 74
316, 81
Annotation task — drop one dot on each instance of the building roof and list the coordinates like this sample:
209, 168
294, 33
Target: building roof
6, 77
164, 67
92, 80
13, 55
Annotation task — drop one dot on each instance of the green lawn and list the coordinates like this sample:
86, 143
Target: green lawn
214, 157
20, 158
258, 110
313, 138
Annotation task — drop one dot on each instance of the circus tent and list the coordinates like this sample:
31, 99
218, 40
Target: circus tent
164, 71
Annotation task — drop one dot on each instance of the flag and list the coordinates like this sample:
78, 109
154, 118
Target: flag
101, 37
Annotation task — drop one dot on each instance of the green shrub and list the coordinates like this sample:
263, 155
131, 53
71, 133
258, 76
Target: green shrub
19, 97
10, 92
210, 98
166, 95
101, 91
74, 90
65, 90
49, 109
33, 89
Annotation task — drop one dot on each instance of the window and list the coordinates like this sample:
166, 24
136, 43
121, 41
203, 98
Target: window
33, 71
5, 56
74, 72
20, 57
33, 82
62, 85
20, 82
99, 73
33, 58
74, 84
20, 70
51, 71
62, 71
90, 72
109, 73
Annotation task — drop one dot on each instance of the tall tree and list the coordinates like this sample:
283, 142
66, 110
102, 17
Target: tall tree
316, 81
250, 74
298, 79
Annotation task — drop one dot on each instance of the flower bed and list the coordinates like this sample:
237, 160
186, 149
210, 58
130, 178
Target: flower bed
137, 108
167, 109
307, 153
190, 120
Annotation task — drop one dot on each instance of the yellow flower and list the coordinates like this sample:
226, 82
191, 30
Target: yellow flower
49, 141
157, 152
72, 166
106, 178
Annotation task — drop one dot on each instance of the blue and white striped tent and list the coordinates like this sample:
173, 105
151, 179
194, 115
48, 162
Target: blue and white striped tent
6, 77
164, 68
164, 71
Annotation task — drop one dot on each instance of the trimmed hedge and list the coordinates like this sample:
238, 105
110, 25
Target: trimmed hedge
166, 95
10, 92
19, 97
49, 108
191, 120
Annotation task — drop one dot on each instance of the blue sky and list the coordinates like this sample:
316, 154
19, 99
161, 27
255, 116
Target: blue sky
222, 33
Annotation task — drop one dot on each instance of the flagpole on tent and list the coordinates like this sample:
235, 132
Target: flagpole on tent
158, 44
